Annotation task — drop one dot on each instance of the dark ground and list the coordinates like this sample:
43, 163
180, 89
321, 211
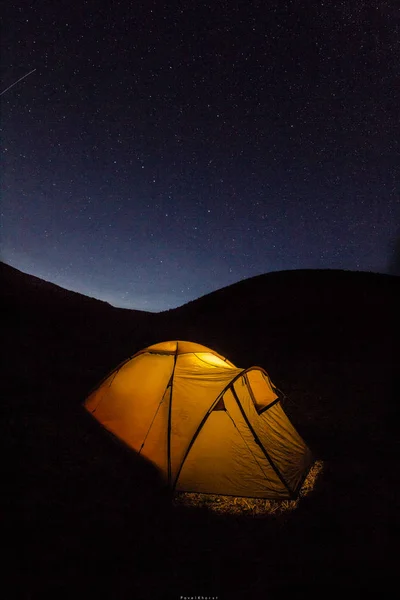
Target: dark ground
84, 516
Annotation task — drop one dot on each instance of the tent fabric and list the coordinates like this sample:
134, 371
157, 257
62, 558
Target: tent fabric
209, 426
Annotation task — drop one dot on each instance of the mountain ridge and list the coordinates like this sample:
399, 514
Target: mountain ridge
15, 280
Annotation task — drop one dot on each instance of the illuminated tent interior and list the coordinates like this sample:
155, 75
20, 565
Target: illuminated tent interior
209, 426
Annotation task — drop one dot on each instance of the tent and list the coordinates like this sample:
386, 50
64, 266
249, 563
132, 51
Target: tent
209, 426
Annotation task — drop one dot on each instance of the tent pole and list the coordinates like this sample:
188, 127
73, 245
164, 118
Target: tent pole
170, 420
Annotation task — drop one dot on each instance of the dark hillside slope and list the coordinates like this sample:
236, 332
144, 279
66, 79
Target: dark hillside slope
21, 289
84, 516
53, 335
302, 312
338, 324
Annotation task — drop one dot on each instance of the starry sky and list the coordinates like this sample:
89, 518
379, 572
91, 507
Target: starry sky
156, 151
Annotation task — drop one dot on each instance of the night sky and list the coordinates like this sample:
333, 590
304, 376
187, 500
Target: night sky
162, 150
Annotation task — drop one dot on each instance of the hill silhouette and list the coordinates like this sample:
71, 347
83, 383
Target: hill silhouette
300, 308
84, 515
21, 290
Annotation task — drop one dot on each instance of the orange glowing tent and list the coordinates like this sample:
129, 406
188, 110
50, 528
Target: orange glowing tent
209, 426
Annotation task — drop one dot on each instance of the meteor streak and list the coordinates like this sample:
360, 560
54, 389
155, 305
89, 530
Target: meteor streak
15, 82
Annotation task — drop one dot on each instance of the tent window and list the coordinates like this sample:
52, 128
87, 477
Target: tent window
262, 397
220, 405
211, 360
246, 381
264, 408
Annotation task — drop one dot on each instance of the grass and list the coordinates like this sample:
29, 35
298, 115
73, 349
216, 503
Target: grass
235, 505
